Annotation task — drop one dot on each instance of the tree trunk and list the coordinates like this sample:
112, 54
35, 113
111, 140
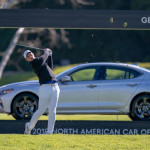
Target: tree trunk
7, 3
9, 50
2, 2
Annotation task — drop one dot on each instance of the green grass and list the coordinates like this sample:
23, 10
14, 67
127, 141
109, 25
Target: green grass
27, 76
77, 117
74, 142
145, 65
6, 79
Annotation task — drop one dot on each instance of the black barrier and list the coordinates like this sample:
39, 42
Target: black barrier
80, 127
103, 19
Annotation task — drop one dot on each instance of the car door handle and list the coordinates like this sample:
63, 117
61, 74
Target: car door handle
91, 86
132, 85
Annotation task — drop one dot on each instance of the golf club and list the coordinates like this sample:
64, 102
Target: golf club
30, 47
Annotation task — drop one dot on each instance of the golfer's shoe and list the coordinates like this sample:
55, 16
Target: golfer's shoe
27, 131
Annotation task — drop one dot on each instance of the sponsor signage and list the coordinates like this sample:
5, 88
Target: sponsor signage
87, 19
100, 131
145, 20
80, 127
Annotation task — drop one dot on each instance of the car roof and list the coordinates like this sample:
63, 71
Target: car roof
133, 66
110, 63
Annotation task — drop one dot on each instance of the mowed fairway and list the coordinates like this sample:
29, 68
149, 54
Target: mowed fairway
76, 142
77, 117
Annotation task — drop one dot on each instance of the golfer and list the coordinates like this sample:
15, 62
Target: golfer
48, 91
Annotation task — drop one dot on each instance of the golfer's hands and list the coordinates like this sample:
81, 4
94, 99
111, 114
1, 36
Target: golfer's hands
49, 51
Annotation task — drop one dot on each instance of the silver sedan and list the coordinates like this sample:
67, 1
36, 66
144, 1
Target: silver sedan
91, 88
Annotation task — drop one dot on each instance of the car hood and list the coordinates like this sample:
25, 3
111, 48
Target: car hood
23, 83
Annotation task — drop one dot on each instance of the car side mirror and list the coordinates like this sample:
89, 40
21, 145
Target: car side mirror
65, 79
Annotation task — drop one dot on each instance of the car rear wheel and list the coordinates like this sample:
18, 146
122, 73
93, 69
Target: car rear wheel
132, 117
24, 106
141, 108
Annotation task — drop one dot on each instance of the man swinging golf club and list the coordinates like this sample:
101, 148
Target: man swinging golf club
48, 91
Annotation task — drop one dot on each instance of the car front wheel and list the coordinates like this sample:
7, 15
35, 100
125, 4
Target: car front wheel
141, 108
24, 106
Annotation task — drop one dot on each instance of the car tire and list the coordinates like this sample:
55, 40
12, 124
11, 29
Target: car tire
141, 108
132, 117
24, 106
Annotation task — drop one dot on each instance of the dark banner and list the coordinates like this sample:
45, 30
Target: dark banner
80, 127
103, 19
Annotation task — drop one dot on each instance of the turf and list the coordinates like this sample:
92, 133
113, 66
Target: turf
27, 76
74, 142
78, 117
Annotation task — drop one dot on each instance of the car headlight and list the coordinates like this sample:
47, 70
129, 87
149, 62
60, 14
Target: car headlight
3, 92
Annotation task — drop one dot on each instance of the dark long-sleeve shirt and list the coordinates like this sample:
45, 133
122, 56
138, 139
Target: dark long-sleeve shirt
43, 66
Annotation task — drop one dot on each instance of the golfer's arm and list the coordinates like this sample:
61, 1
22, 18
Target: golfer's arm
44, 57
50, 62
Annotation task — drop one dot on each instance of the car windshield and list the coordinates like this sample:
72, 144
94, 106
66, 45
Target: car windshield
57, 76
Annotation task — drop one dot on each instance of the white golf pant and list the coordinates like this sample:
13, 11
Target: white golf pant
48, 97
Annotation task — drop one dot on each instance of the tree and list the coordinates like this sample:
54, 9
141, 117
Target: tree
9, 50
7, 3
2, 2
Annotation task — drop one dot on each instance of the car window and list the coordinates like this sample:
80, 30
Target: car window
84, 74
117, 73
114, 74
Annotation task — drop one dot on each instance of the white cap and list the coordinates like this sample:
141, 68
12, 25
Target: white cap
26, 52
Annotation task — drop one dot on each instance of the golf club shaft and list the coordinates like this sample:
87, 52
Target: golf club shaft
30, 46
